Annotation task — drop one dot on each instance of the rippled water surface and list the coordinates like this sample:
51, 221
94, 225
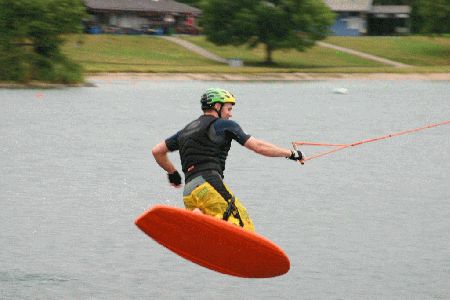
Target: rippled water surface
370, 222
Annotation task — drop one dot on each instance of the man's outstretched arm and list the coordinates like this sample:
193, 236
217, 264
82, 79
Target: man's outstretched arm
271, 150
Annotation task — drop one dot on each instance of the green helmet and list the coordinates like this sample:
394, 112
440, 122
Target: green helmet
216, 95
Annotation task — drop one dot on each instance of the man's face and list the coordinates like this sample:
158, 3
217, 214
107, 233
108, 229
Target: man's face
227, 110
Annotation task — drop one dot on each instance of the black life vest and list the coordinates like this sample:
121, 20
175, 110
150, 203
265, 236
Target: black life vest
198, 152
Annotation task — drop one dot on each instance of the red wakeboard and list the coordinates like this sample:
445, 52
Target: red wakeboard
213, 243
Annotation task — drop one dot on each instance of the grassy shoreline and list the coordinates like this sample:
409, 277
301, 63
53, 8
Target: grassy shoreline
149, 54
99, 54
267, 76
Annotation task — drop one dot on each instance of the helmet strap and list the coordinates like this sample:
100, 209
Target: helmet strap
219, 112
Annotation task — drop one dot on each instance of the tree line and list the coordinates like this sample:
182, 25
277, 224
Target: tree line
427, 16
32, 31
296, 24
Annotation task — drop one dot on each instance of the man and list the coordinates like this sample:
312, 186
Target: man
203, 146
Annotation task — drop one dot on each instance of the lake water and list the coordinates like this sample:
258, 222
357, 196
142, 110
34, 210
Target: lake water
370, 222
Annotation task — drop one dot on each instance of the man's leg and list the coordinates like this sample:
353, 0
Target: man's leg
212, 197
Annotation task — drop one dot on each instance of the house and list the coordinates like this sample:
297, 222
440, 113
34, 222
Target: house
140, 16
353, 17
361, 17
389, 20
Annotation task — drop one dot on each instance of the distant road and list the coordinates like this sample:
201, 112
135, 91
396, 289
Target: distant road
364, 55
194, 48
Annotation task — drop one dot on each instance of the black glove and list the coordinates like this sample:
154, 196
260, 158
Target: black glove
174, 178
296, 155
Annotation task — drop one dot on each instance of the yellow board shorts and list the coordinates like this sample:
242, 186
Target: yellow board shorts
199, 193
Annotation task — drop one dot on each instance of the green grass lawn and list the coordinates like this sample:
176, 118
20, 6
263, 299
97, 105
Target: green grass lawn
412, 50
316, 57
122, 53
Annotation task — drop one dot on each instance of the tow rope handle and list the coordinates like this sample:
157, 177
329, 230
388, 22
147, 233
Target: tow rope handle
296, 149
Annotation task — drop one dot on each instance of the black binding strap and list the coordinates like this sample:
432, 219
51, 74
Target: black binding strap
215, 179
232, 210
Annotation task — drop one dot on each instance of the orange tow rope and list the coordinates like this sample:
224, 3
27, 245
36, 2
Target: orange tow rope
339, 147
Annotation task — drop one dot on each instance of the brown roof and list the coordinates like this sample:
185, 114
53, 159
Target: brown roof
391, 9
168, 6
349, 5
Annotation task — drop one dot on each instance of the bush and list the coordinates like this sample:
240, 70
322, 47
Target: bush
12, 65
30, 39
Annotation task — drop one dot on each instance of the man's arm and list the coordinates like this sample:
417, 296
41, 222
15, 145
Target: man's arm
268, 149
160, 154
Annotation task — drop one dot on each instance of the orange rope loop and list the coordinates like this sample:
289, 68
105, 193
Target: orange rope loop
343, 146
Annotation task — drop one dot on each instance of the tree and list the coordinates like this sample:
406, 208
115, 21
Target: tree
31, 34
431, 16
277, 24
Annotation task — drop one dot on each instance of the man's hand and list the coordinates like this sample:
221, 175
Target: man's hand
174, 179
297, 155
